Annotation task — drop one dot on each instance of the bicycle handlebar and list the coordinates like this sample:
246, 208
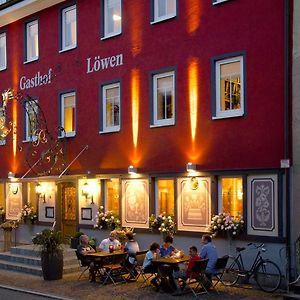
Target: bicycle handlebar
256, 246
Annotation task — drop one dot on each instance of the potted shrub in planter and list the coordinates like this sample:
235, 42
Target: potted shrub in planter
50, 243
74, 242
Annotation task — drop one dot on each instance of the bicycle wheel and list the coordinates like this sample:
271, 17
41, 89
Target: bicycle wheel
268, 276
232, 271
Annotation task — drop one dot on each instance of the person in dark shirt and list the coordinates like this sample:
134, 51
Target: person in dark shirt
167, 249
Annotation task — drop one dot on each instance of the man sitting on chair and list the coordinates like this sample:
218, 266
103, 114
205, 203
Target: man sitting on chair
110, 241
83, 249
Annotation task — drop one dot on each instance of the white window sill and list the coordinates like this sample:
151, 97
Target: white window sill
68, 135
31, 60
220, 1
228, 116
67, 49
110, 36
109, 130
28, 140
162, 19
163, 124
3, 68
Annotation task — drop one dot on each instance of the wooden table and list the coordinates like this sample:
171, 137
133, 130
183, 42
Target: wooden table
171, 260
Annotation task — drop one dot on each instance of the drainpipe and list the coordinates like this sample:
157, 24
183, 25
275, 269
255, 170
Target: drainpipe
287, 135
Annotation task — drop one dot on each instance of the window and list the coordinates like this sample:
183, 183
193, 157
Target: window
164, 9
111, 108
112, 195
231, 195
2, 127
3, 58
229, 87
31, 121
165, 196
67, 116
163, 99
69, 28
112, 18
32, 41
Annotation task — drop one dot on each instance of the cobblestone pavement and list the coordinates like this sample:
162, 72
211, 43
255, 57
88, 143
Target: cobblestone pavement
69, 287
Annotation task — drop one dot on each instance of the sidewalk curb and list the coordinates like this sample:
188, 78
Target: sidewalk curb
12, 288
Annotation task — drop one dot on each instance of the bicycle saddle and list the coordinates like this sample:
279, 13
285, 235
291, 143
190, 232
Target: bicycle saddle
240, 249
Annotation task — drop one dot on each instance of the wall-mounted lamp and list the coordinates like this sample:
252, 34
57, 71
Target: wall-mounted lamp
40, 192
87, 193
132, 170
11, 175
190, 167
14, 188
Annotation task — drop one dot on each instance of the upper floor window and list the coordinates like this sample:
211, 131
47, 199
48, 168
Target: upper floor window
112, 18
163, 99
68, 114
163, 9
229, 74
3, 58
231, 195
69, 28
111, 107
165, 196
31, 120
32, 41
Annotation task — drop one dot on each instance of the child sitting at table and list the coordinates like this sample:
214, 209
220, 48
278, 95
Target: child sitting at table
167, 249
186, 271
151, 255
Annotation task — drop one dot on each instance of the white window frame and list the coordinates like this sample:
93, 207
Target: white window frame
219, 114
104, 100
63, 29
105, 25
4, 52
29, 39
218, 1
164, 122
156, 18
62, 113
28, 137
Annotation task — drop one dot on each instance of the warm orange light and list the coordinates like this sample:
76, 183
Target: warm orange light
193, 15
136, 32
193, 95
135, 94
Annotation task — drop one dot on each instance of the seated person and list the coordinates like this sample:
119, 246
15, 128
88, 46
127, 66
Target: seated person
111, 240
131, 247
167, 249
209, 251
151, 255
187, 270
83, 249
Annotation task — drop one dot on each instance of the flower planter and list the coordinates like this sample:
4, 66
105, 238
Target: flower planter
52, 265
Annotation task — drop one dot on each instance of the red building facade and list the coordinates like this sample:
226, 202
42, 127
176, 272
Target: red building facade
155, 85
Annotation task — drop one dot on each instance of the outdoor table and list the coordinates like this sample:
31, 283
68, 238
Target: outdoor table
165, 267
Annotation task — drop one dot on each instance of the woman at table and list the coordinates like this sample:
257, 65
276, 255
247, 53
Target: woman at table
167, 249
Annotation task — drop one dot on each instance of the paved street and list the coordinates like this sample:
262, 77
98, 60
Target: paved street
69, 287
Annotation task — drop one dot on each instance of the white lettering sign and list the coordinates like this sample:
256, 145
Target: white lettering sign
38, 80
98, 63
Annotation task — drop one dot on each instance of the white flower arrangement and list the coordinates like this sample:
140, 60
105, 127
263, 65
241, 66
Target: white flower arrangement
225, 224
28, 212
106, 219
163, 223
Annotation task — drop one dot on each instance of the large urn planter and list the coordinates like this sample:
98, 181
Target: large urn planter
52, 265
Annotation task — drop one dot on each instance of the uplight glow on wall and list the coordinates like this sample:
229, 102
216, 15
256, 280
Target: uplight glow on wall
135, 94
193, 15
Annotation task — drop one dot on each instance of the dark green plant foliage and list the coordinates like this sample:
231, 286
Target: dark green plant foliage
49, 241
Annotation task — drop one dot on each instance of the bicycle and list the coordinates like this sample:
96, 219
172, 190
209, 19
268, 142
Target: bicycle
266, 273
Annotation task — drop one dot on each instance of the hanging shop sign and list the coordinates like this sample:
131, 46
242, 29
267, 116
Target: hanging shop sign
97, 63
37, 80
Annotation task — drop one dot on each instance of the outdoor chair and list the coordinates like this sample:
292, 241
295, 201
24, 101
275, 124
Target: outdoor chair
197, 280
84, 266
140, 256
220, 269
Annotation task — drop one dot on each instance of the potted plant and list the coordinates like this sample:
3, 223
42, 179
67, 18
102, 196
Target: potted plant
74, 242
50, 243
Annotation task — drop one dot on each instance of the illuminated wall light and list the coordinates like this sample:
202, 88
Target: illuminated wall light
11, 175
190, 167
132, 170
193, 95
193, 15
135, 105
39, 190
87, 192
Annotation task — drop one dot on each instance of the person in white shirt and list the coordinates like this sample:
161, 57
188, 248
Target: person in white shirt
110, 241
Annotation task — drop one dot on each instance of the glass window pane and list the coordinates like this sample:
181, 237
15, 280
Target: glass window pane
112, 16
32, 40
112, 195
112, 106
69, 113
2, 51
165, 8
165, 190
165, 98
232, 195
70, 27
31, 120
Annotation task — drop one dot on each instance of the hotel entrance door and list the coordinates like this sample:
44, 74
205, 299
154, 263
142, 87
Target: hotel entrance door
68, 208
